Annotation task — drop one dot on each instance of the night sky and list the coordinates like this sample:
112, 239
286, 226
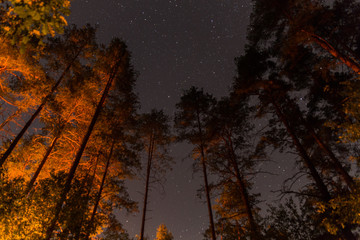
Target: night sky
175, 45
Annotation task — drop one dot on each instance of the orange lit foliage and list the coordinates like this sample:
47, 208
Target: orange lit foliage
162, 233
22, 83
28, 22
67, 115
23, 28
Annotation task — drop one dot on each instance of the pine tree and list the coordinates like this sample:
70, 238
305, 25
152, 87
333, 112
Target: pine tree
163, 233
154, 130
86, 36
118, 59
191, 119
231, 157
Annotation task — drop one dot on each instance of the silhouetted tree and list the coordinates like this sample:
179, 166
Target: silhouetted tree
154, 130
191, 120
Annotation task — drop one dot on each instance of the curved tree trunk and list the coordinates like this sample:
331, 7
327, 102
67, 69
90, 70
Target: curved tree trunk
349, 62
326, 45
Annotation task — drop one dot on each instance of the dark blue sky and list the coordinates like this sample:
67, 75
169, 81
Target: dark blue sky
175, 45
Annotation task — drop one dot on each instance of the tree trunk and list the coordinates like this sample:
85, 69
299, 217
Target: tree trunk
325, 195
89, 188
242, 189
36, 113
98, 197
43, 161
80, 152
336, 162
148, 171
207, 190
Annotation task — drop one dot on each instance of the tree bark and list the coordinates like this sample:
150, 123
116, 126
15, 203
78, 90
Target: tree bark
76, 162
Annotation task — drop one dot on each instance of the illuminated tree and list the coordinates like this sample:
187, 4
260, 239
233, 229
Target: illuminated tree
117, 58
232, 155
163, 233
84, 38
31, 21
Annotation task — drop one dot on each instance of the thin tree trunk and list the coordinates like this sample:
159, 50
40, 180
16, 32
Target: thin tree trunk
148, 171
36, 113
242, 189
43, 161
46, 156
207, 190
76, 162
307, 160
336, 162
89, 188
98, 197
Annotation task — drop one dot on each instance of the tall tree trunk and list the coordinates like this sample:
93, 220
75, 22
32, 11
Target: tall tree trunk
336, 162
207, 190
325, 195
89, 188
242, 188
76, 162
148, 171
98, 197
307, 160
36, 113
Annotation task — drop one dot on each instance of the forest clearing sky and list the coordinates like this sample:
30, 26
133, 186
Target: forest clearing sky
174, 45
